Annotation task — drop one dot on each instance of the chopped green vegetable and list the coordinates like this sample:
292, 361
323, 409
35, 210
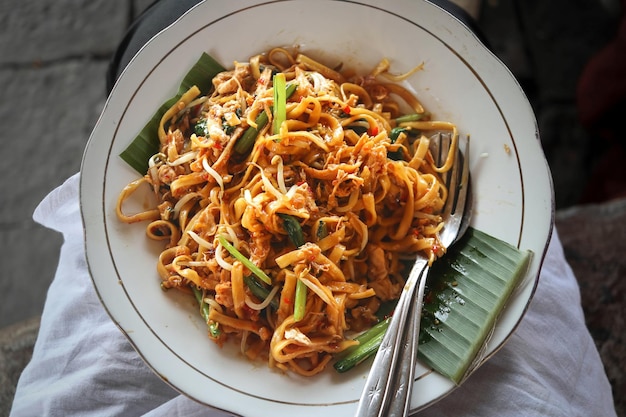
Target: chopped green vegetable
294, 231
467, 290
146, 143
299, 302
259, 290
280, 101
228, 128
395, 133
204, 307
245, 261
290, 89
246, 141
200, 128
413, 117
393, 137
369, 342
204, 310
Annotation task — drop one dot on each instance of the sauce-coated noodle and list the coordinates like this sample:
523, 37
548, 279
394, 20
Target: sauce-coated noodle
294, 234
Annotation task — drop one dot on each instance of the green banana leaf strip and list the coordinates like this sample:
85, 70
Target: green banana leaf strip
469, 289
146, 143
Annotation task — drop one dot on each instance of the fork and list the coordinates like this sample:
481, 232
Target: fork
390, 381
403, 382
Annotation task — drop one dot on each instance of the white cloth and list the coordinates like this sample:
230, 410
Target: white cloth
83, 365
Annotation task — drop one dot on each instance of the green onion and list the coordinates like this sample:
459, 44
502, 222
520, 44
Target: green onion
414, 117
146, 143
280, 101
294, 231
369, 341
259, 290
204, 307
246, 141
245, 261
204, 310
299, 302
393, 137
290, 89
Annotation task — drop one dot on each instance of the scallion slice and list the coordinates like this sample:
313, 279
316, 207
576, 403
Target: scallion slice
245, 261
294, 231
280, 102
205, 310
259, 290
246, 141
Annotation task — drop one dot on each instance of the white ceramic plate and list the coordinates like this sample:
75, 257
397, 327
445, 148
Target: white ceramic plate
461, 81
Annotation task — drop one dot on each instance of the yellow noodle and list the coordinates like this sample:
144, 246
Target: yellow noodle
185, 99
125, 194
361, 214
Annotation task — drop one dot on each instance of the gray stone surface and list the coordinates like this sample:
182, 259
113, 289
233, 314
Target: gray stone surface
53, 59
48, 112
48, 30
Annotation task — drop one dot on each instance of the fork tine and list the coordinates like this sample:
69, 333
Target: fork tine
458, 187
451, 180
465, 179
439, 148
444, 148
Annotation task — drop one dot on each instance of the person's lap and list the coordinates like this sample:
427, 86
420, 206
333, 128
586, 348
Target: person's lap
82, 364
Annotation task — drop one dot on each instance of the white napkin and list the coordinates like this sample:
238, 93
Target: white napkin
83, 365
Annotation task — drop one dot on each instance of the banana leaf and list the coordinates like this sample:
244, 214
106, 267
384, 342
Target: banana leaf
146, 143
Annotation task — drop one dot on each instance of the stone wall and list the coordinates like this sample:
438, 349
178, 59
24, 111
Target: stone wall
53, 60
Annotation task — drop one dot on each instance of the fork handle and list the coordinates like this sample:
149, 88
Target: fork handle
376, 395
403, 383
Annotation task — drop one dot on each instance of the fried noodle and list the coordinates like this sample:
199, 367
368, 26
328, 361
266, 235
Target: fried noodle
366, 203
